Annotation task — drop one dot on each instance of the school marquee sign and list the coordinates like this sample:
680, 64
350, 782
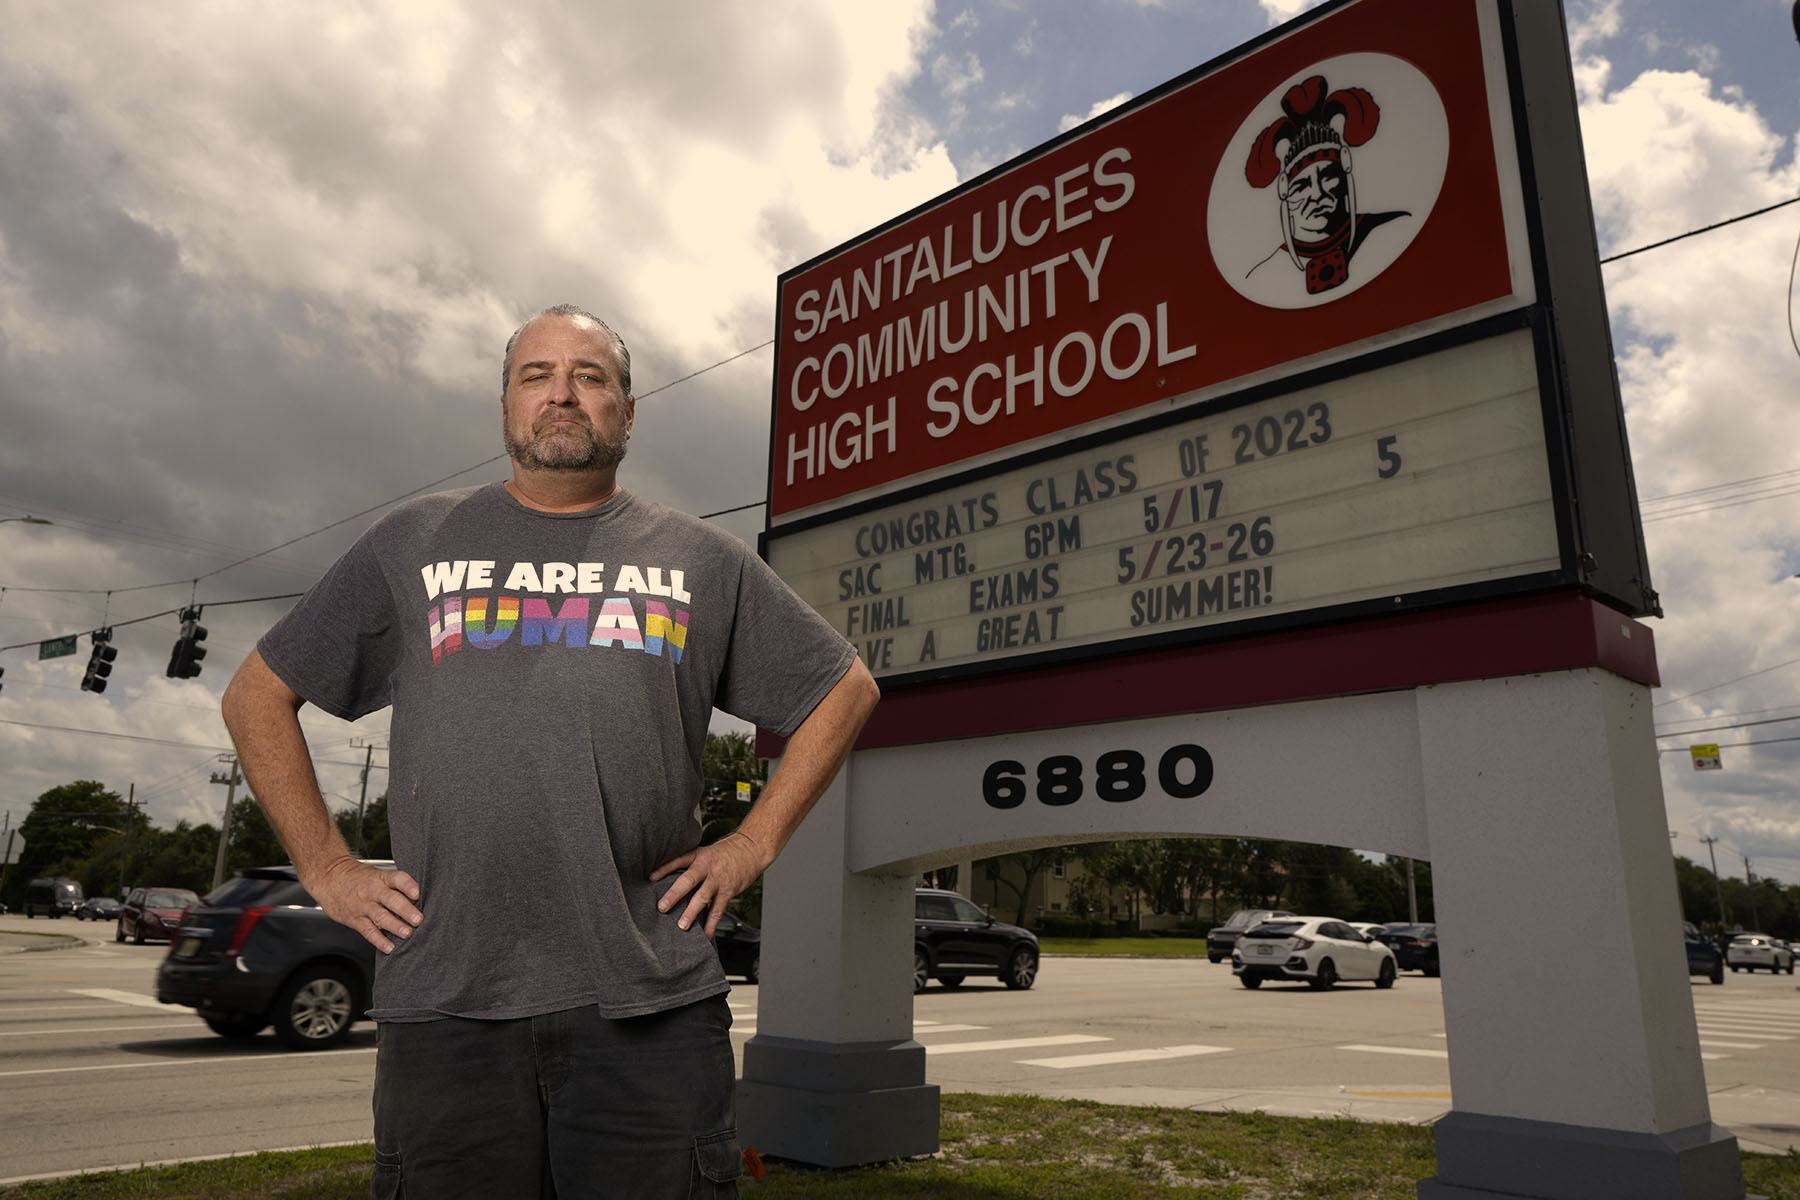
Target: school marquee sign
1267, 346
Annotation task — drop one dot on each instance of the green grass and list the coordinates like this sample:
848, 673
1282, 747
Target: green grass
1136, 947
993, 1148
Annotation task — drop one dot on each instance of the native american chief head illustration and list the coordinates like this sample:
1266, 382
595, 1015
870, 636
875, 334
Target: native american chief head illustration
1305, 153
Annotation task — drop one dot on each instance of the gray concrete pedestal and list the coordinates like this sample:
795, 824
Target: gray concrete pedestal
836, 1105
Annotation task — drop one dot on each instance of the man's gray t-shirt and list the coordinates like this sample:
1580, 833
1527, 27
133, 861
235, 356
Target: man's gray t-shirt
552, 677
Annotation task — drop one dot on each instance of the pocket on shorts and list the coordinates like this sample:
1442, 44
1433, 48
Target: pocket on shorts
384, 1182
717, 1165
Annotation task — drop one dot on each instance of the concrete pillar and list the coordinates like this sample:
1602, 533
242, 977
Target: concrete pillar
1574, 1058
833, 1076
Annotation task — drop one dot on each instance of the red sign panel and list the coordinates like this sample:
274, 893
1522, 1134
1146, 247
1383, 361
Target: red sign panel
1336, 185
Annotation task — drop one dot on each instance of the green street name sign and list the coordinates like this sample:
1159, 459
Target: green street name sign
57, 647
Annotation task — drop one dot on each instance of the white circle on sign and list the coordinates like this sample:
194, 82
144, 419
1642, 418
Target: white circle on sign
1348, 188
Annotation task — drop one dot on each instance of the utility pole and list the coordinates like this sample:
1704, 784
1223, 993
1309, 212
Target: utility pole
1750, 884
1412, 895
362, 801
1724, 925
230, 778
6, 858
125, 848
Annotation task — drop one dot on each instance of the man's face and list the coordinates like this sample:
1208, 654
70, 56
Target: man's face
1315, 198
564, 409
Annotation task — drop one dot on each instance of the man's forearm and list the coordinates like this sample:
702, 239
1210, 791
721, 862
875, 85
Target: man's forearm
813, 757
263, 718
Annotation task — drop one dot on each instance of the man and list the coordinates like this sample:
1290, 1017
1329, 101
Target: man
551, 1011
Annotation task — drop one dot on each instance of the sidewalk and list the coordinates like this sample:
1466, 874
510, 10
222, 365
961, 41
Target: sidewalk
1764, 1120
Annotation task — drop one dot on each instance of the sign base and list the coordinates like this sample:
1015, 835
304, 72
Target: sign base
1516, 1159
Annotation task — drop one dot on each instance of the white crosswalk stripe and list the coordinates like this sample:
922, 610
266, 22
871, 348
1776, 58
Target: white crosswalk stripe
1396, 1050
1108, 1057
1067, 1039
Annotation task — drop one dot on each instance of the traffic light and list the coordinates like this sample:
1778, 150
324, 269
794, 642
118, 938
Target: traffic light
184, 660
99, 662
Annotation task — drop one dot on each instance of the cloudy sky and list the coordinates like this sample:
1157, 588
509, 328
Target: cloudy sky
257, 265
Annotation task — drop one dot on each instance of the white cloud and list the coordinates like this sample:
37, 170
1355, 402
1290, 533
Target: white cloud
259, 264
1069, 120
1708, 377
1285, 10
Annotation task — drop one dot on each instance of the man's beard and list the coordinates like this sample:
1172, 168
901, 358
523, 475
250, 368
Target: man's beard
568, 449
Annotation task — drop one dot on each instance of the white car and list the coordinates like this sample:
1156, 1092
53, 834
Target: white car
1319, 951
1749, 951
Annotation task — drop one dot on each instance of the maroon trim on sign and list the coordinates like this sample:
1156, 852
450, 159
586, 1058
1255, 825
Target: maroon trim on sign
1557, 632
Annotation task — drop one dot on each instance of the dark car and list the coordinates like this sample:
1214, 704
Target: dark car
259, 951
153, 914
953, 939
1415, 947
739, 944
1221, 938
98, 908
52, 897
1704, 956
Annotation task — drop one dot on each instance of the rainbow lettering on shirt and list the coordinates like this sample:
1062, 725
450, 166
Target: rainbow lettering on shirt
567, 606
475, 621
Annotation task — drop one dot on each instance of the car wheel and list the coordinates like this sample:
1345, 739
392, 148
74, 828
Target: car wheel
235, 1027
1021, 968
921, 971
1213, 958
314, 1009
952, 981
1250, 981
119, 932
754, 974
1734, 969
1718, 973
1327, 977
1385, 979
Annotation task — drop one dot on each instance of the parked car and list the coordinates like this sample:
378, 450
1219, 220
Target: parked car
1749, 951
1221, 938
52, 897
953, 939
1318, 951
739, 944
98, 908
1703, 954
153, 914
259, 951
1415, 947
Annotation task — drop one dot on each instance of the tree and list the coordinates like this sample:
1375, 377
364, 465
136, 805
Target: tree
63, 830
253, 840
1031, 864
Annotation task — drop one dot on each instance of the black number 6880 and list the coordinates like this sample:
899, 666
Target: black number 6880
1120, 776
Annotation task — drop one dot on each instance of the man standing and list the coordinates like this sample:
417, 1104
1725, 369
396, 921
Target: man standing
551, 1011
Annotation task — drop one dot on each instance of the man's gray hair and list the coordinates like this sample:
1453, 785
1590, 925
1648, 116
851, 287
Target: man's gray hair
570, 310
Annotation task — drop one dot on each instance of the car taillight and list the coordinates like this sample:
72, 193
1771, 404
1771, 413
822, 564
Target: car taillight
245, 923
1301, 943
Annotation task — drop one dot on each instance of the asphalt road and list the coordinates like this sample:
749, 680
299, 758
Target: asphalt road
96, 1073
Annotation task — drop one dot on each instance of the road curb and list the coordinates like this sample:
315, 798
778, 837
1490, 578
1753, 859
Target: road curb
38, 942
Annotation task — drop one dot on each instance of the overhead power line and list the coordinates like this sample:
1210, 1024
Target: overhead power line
694, 375
1703, 229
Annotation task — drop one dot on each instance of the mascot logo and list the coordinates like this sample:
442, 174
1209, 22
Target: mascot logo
1348, 161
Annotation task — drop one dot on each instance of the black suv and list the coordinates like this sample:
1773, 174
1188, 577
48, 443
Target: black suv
1704, 956
259, 951
953, 939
